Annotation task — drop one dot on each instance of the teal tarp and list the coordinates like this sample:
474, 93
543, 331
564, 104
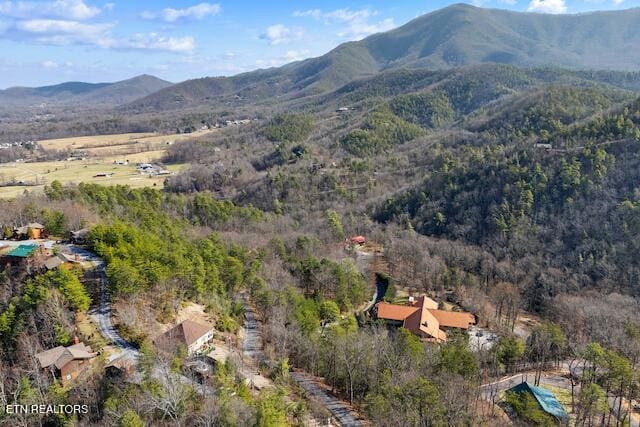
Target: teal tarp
545, 398
23, 251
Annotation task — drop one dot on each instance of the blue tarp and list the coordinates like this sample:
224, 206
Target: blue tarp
545, 398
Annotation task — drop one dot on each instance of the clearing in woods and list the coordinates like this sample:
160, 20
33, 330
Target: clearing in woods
98, 165
97, 141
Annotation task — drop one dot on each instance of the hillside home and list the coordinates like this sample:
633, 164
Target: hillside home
358, 240
189, 334
33, 230
66, 363
423, 318
29, 257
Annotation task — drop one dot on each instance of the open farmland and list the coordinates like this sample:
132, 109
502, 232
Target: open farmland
118, 144
75, 172
104, 159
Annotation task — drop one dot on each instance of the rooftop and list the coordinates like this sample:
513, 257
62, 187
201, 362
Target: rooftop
454, 319
423, 318
60, 356
185, 333
23, 251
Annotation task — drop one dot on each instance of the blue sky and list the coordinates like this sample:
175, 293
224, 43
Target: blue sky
51, 41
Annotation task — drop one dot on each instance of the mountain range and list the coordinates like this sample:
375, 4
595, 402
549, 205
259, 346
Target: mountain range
84, 94
451, 37
455, 36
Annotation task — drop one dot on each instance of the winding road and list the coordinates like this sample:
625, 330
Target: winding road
251, 347
102, 313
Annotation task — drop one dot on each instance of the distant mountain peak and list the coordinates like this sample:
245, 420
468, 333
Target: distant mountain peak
457, 35
90, 94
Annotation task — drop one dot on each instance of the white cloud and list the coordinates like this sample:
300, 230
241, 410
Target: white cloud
49, 64
358, 30
313, 13
547, 6
618, 2
155, 41
280, 34
296, 55
60, 32
65, 9
356, 24
194, 13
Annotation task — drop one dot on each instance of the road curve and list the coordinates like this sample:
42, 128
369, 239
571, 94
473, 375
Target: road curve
102, 313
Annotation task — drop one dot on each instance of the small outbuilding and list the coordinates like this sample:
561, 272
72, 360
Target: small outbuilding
53, 262
33, 230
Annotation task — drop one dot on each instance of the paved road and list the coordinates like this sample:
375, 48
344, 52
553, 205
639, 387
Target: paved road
102, 313
251, 339
251, 349
506, 383
338, 409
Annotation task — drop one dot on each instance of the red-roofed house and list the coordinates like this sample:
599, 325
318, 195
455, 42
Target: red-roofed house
358, 240
423, 318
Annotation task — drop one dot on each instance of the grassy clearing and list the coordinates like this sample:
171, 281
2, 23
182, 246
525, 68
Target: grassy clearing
101, 151
96, 141
76, 172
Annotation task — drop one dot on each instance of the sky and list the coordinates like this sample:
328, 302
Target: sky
51, 41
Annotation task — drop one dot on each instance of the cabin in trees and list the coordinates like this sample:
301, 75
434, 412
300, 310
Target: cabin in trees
32, 230
79, 237
66, 363
28, 257
422, 317
189, 334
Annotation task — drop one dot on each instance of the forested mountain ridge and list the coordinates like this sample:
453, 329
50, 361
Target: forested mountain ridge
451, 37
